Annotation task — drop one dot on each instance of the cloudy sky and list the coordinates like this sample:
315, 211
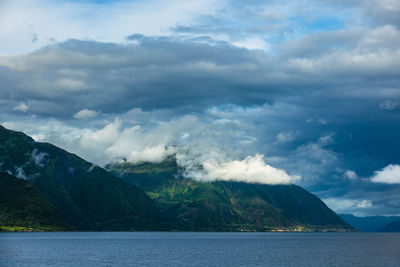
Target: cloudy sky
303, 91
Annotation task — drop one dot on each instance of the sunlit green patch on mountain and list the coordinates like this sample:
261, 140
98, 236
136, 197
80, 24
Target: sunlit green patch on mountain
228, 206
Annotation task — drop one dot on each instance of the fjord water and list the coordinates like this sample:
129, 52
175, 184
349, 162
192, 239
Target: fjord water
199, 249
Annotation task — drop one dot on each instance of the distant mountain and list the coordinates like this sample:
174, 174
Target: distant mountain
391, 227
87, 196
228, 206
23, 207
369, 224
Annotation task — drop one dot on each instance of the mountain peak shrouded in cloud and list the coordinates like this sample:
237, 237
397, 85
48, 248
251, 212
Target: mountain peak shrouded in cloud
250, 170
227, 205
261, 90
201, 162
146, 196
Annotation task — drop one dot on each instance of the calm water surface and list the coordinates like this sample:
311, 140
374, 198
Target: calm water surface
199, 249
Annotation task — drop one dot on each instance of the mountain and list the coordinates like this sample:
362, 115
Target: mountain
91, 198
87, 196
228, 206
23, 207
370, 223
391, 227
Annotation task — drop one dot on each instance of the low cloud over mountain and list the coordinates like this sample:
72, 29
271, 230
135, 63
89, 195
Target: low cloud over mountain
271, 90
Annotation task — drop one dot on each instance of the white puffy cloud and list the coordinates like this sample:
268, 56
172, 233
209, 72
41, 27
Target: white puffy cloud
350, 174
152, 154
388, 175
85, 114
23, 107
193, 152
250, 170
116, 141
207, 146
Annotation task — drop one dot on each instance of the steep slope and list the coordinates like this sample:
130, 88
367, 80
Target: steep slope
23, 207
229, 206
88, 197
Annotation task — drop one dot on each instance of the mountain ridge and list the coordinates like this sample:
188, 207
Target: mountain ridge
157, 196
88, 197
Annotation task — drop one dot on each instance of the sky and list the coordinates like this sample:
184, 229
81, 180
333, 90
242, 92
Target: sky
274, 92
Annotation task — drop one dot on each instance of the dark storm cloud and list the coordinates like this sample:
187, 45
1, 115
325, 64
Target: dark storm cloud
158, 73
179, 74
351, 73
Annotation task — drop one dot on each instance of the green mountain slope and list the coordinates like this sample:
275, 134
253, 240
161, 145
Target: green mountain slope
22, 207
229, 206
87, 196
